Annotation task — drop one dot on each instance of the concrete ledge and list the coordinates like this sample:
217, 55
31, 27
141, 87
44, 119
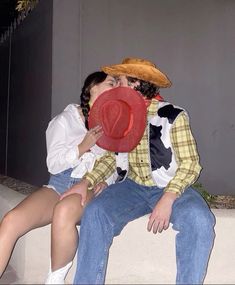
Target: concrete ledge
136, 256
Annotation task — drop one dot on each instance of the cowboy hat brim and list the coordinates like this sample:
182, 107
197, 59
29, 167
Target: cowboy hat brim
139, 71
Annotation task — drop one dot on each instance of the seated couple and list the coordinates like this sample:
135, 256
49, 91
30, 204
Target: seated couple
138, 145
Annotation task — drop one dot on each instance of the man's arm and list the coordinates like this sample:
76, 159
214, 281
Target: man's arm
188, 171
103, 168
186, 154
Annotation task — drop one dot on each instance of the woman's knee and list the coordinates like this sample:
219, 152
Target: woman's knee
67, 212
11, 222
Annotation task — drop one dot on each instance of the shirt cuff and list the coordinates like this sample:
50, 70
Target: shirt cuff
91, 180
174, 189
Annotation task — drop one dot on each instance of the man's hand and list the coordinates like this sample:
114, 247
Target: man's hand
98, 188
79, 188
160, 217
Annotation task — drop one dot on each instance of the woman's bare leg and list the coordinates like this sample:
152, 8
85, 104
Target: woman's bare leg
33, 212
67, 214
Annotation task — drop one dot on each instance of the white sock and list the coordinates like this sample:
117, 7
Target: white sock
58, 276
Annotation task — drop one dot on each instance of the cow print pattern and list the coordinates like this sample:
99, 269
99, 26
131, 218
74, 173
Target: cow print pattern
160, 155
170, 112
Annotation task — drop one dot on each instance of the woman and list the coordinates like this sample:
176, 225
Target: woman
71, 152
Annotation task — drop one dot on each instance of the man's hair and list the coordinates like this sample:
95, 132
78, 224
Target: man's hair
147, 89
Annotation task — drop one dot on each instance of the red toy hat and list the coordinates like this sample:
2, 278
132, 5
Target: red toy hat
122, 114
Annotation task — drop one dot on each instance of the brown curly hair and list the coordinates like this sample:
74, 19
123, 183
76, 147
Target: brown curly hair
147, 89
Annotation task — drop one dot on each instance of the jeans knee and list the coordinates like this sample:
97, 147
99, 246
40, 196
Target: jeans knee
196, 218
192, 209
202, 218
200, 223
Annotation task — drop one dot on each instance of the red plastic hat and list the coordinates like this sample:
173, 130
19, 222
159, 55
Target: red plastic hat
122, 114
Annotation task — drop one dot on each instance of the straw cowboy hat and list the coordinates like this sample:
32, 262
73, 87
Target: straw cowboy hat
140, 69
122, 114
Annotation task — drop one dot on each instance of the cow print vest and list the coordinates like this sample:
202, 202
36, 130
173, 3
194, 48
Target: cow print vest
163, 163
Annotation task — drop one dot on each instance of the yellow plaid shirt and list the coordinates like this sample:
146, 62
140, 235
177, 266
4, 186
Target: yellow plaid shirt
183, 145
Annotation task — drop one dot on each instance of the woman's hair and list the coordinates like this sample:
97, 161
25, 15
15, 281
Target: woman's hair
147, 89
91, 80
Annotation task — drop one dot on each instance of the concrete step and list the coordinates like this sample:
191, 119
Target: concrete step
136, 256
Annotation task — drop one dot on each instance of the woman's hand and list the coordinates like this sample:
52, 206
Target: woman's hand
90, 139
98, 188
80, 188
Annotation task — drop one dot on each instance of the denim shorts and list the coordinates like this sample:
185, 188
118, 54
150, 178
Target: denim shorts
62, 181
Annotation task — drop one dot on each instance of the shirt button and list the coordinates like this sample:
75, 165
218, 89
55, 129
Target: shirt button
141, 160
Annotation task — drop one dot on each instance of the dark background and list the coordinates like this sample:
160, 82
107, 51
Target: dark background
7, 13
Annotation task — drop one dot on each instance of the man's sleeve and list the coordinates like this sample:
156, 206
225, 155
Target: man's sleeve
187, 156
104, 167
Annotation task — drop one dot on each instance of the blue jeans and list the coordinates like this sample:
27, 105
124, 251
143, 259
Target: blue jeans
105, 217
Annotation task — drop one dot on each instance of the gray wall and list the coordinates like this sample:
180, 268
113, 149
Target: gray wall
193, 42
66, 68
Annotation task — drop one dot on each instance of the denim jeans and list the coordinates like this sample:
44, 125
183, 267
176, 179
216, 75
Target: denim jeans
62, 181
105, 217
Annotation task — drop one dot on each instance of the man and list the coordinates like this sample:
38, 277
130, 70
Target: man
156, 179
